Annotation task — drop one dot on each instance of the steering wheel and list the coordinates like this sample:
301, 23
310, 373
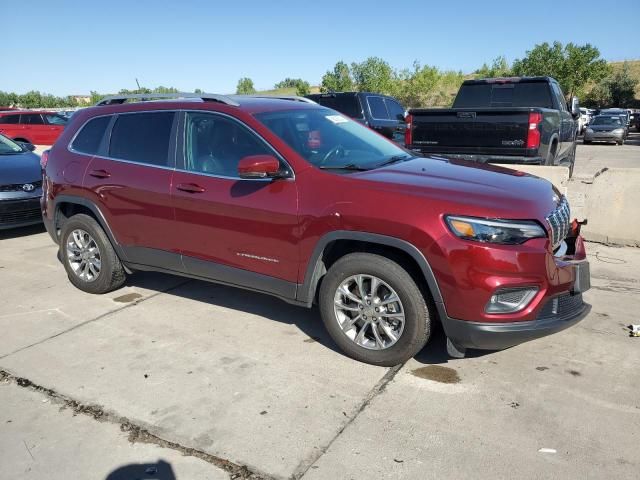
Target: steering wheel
338, 150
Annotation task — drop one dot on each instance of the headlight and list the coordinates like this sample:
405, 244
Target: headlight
618, 131
589, 130
508, 232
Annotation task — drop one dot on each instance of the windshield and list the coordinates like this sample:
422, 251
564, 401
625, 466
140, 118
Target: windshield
327, 139
8, 147
613, 121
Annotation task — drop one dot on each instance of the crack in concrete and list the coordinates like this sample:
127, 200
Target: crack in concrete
136, 433
99, 317
379, 387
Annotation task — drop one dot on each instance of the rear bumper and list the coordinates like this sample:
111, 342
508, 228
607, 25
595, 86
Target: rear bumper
498, 336
20, 213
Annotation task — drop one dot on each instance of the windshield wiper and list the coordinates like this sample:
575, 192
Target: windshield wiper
395, 159
348, 166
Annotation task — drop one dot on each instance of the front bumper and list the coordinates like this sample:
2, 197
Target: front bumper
20, 212
603, 137
498, 336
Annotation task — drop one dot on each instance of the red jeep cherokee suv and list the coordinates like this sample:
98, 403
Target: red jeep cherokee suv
296, 200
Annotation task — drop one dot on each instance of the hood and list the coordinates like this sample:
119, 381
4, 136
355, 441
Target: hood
20, 168
469, 188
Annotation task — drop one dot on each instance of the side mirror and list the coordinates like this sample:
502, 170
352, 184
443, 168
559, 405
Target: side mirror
575, 107
27, 147
258, 166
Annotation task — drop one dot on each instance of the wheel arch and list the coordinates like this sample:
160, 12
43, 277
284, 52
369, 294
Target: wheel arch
65, 206
336, 244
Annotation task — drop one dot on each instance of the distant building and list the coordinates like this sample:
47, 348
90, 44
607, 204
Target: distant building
81, 98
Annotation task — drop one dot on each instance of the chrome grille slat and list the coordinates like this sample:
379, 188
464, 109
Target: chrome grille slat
560, 222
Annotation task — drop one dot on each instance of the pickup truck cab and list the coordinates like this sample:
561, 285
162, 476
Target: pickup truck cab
500, 120
380, 113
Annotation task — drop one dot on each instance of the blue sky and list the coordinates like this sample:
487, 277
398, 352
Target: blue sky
64, 47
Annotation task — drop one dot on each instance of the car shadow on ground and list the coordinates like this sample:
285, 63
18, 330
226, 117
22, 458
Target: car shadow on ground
22, 231
160, 470
308, 321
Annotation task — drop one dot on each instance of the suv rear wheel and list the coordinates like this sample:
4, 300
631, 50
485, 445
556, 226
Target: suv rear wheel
88, 256
374, 310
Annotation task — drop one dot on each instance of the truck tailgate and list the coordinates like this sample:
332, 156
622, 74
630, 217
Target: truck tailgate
486, 131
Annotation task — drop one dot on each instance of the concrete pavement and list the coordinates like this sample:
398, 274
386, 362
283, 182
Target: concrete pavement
239, 379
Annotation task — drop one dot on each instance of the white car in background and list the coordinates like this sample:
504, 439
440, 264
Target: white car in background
583, 121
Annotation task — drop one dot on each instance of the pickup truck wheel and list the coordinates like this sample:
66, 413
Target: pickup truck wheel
551, 158
91, 263
374, 310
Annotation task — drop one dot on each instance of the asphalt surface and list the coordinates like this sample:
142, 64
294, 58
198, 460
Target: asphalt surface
592, 158
196, 380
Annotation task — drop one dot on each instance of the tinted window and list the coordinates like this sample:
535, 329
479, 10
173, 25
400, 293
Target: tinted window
559, 96
347, 104
142, 137
10, 119
55, 119
215, 144
613, 121
89, 138
394, 109
32, 119
483, 95
378, 108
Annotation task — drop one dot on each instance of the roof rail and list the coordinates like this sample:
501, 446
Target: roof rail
293, 98
145, 97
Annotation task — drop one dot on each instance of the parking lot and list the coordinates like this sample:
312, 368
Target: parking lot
192, 380
592, 158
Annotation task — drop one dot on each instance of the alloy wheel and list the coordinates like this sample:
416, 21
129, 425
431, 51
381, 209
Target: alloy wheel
83, 255
369, 312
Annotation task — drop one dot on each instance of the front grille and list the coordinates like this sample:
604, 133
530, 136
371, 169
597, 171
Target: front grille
17, 187
565, 306
21, 216
559, 222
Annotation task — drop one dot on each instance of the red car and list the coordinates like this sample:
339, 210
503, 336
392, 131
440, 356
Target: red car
32, 126
298, 201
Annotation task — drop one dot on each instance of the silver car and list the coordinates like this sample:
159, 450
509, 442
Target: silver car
605, 128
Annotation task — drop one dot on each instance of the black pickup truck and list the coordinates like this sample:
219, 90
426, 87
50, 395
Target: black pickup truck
523, 120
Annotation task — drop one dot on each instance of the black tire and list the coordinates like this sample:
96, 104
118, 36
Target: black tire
417, 319
111, 274
621, 142
586, 142
551, 158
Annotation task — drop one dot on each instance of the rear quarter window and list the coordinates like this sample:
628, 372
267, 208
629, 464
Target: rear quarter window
347, 104
9, 119
378, 108
90, 136
142, 137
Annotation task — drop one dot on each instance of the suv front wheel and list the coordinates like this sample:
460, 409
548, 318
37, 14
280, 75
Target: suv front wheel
374, 310
88, 256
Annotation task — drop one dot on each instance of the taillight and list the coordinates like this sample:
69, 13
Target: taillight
408, 134
533, 134
44, 159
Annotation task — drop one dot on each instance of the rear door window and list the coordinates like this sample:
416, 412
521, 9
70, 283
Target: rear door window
396, 112
9, 119
142, 137
378, 108
31, 119
89, 138
347, 104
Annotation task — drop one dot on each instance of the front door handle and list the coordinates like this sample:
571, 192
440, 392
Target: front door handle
99, 173
190, 188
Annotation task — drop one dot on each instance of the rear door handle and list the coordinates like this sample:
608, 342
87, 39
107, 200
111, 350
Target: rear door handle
99, 173
190, 188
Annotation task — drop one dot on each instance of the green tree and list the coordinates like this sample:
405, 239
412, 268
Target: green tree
288, 83
373, 75
573, 66
245, 86
426, 86
499, 68
303, 88
622, 87
197, 90
338, 80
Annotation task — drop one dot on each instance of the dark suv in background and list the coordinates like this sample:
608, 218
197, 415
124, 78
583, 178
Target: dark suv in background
381, 113
293, 199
